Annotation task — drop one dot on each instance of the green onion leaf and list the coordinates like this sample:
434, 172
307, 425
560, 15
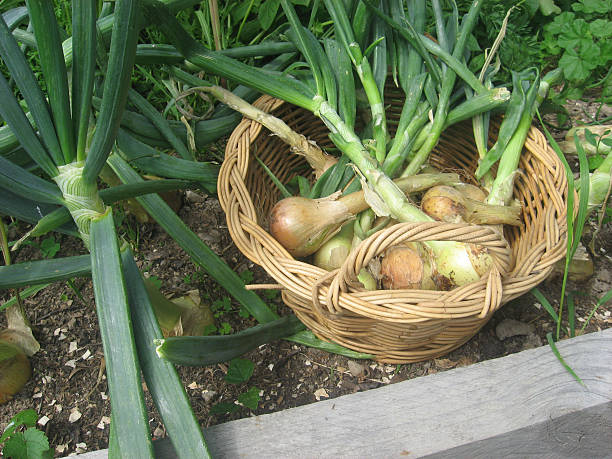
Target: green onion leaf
122, 367
161, 377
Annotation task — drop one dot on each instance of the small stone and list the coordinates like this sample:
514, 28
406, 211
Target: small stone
159, 432
192, 196
208, 395
508, 328
532, 341
355, 368
43, 421
75, 415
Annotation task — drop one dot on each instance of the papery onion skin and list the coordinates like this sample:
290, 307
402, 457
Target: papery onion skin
407, 266
445, 204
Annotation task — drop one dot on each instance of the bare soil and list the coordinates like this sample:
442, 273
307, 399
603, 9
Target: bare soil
69, 386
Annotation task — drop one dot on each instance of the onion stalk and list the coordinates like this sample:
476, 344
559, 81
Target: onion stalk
503, 185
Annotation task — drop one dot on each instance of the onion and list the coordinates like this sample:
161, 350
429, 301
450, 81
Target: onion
444, 203
334, 252
15, 370
302, 225
459, 264
471, 191
448, 204
408, 266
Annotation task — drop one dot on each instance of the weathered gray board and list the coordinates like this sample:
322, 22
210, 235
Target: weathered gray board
522, 405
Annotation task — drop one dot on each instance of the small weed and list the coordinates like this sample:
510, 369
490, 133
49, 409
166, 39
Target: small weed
221, 306
250, 398
246, 276
239, 372
244, 313
49, 247
225, 328
580, 40
21, 439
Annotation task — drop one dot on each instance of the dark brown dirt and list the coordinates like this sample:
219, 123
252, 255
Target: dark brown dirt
69, 377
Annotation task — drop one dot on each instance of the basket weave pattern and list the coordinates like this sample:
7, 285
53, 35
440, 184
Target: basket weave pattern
397, 326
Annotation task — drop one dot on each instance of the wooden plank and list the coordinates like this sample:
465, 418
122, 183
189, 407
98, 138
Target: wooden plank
432, 414
581, 434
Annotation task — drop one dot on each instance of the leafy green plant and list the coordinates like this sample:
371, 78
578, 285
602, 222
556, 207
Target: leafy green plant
578, 41
239, 372
22, 440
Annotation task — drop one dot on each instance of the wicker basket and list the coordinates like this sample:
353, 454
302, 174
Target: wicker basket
397, 326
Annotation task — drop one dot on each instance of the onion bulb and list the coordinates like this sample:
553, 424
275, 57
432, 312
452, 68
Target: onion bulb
335, 251
15, 370
471, 191
448, 204
414, 266
301, 225
407, 266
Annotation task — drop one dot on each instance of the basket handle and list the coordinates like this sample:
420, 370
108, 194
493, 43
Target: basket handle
345, 279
